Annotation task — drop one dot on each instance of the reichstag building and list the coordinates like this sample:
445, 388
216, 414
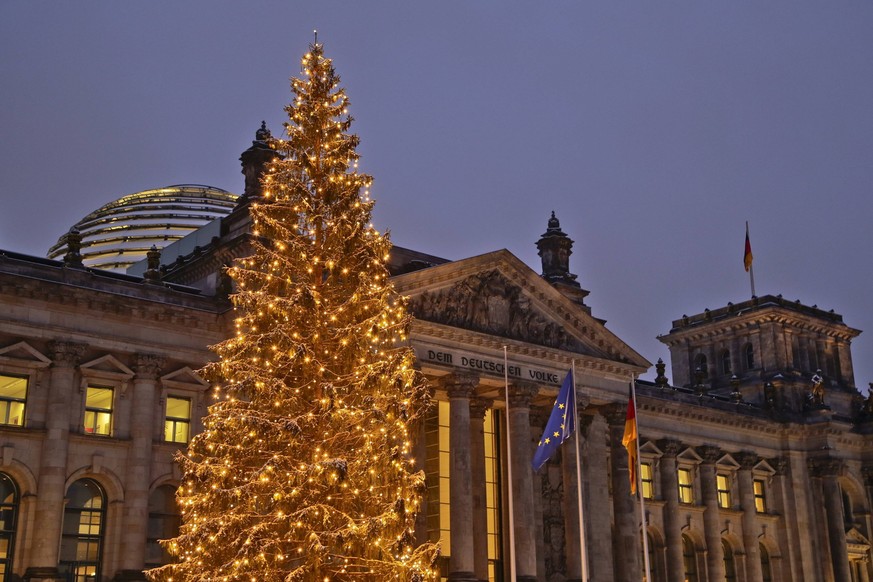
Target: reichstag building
756, 452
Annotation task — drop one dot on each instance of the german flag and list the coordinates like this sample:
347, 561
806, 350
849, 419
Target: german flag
629, 441
747, 255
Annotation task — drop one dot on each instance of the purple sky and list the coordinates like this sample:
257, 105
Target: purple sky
653, 129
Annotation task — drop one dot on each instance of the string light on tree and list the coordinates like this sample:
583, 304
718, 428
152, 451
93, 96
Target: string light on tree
303, 470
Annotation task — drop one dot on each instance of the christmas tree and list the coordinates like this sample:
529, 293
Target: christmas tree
303, 470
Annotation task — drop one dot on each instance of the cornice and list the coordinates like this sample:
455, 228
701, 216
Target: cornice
756, 319
193, 311
427, 330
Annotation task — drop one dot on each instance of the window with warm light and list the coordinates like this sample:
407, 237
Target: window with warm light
647, 479
98, 410
13, 395
760, 499
686, 485
492, 495
177, 424
82, 537
437, 467
723, 486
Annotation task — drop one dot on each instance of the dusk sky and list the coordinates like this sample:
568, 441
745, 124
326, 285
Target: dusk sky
654, 130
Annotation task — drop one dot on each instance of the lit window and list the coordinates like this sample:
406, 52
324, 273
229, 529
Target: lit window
13, 394
492, 494
98, 411
648, 480
177, 426
82, 537
723, 484
760, 500
686, 481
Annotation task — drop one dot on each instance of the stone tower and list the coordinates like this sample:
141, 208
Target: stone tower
777, 353
555, 248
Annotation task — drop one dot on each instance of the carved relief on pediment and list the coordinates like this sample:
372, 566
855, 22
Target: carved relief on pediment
487, 302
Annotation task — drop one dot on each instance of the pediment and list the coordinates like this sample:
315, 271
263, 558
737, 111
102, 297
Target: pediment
764, 467
106, 366
184, 378
690, 455
728, 462
856, 538
651, 449
498, 295
24, 355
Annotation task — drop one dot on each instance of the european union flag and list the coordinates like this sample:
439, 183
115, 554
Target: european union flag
561, 425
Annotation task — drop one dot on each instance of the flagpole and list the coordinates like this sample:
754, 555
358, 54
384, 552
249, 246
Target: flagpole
639, 484
583, 555
751, 267
509, 471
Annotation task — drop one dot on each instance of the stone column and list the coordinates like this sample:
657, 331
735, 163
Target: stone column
521, 455
139, 462
595, 469
828, 470
786, 529
672, 523
711, 526
626, 531
53, 470
478, 406
460, 388
747, 461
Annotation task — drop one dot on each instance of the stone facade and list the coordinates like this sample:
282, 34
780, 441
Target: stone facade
758, 470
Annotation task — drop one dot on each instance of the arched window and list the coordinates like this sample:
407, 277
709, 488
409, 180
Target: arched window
766, 572
730, 569
749, 356
82, 538
8, 523
689, 558
164, 524
725, 361
701, 367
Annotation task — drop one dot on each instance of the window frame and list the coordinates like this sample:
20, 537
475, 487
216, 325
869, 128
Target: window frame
189, 398
10, 400
9, 534
169, 522
685, 487
99, 538
689, 559
97, 411
749, 356
647, 485
760, 496
724, 362
702, 362
723, 484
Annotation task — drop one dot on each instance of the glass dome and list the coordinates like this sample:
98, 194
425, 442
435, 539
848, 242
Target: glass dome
120, 233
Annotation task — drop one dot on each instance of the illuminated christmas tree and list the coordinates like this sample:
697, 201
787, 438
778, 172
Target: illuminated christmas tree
303, 470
